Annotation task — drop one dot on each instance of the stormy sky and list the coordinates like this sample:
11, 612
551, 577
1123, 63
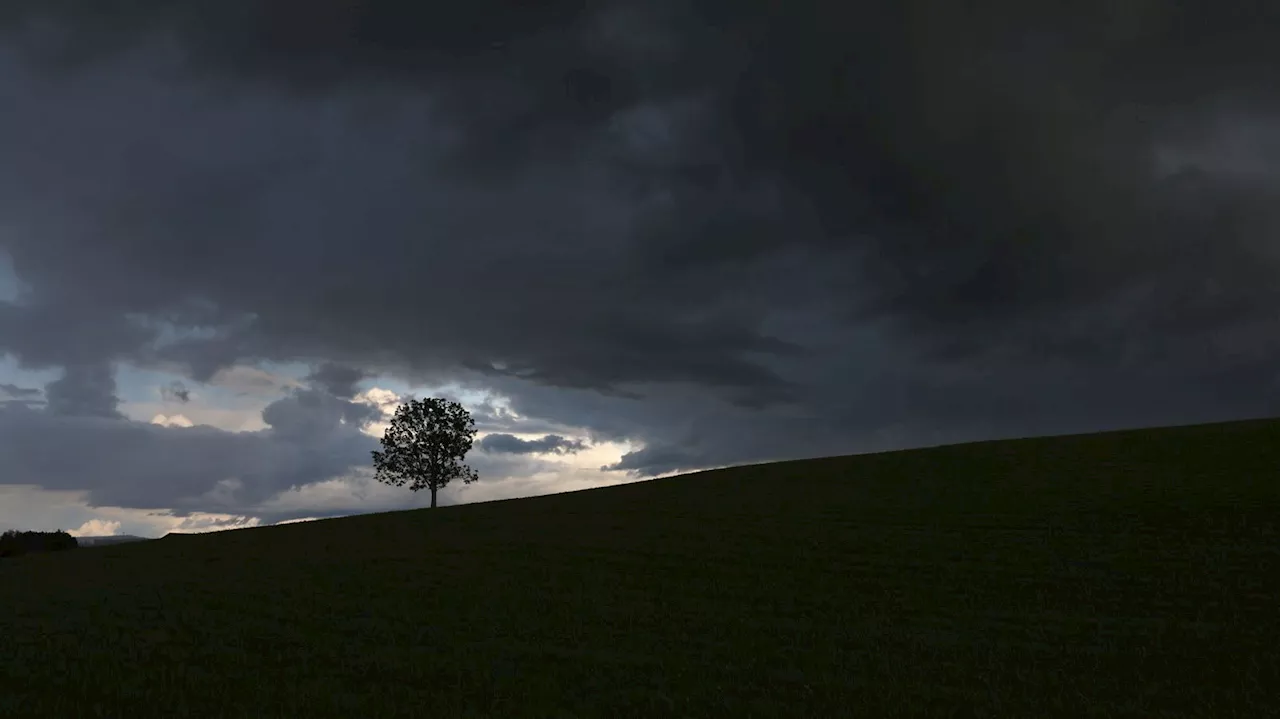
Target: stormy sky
634, 238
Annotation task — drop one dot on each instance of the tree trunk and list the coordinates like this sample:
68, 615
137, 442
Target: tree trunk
433, 497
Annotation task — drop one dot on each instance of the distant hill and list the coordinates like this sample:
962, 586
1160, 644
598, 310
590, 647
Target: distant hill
113, 539
1129, 573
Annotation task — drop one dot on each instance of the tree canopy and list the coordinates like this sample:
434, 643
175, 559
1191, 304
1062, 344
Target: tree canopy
425, 445
14, 543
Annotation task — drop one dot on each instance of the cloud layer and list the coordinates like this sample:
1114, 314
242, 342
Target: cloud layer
720, 232
547, 444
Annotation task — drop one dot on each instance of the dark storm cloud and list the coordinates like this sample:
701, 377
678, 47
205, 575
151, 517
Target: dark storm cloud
13, 391
560, 316
175, 391
889, 405
53, 329
309, 413
337, 380
728, 231
548, 444
657, 459
12, 395
84, 390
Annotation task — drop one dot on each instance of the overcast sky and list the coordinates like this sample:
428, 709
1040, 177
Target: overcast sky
634, 239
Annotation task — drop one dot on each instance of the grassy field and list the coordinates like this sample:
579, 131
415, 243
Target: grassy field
1121, 574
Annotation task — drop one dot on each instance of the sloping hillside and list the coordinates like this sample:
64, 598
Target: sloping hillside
1120, 574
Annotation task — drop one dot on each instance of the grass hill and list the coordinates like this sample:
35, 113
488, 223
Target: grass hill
1119, 574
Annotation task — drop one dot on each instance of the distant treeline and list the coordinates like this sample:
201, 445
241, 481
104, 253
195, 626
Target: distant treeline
14, 543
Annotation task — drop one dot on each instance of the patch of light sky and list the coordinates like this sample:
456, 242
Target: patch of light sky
583, 466
31, 508
11, 373
468, 397
232, 401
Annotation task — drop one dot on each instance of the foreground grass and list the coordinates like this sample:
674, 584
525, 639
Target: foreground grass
1124, 574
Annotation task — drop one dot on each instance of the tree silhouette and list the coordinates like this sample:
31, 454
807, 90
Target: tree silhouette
14, 543
424, 446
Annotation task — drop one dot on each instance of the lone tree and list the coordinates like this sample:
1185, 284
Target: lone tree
425, 444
